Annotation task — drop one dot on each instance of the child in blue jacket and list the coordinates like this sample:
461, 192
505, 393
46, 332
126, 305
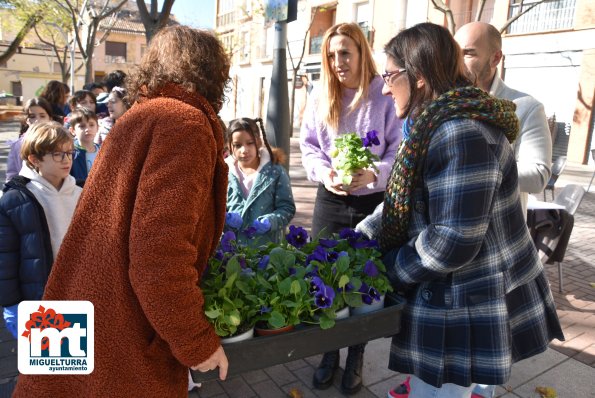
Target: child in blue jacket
259, 188
35, 212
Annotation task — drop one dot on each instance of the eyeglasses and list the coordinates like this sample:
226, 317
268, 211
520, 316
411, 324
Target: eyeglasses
388, 75
59, 156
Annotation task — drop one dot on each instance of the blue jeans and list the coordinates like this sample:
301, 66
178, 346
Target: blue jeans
485, 390
421, 389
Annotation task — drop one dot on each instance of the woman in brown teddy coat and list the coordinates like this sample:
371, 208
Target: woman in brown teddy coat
150, 215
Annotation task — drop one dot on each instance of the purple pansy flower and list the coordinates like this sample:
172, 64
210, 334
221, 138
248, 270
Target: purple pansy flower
297, 236
324, 298
227, 242
316, 285
264, 309
319, 254
264, 261
250, 232
328, 243
370, 269
371, 138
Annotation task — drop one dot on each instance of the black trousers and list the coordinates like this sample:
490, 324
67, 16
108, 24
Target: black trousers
333, 212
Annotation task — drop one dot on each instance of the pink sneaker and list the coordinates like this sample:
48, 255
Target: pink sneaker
401, 391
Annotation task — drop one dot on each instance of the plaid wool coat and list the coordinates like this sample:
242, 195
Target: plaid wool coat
477, 296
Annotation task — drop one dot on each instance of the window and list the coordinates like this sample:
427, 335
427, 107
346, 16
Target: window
3, 64
115, 52
362, 18
549, 15
56, 68
16, 88
244, 47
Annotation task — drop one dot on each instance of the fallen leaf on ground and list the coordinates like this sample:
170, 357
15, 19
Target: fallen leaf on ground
295, 393
546, 392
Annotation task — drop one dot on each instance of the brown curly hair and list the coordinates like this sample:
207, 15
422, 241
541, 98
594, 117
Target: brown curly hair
192, 58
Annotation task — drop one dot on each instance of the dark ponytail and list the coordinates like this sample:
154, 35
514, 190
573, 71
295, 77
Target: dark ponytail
266, 142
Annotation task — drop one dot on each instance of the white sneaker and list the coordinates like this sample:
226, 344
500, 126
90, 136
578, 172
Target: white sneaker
191, 383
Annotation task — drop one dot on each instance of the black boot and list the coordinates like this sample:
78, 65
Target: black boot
323, 377
352, 377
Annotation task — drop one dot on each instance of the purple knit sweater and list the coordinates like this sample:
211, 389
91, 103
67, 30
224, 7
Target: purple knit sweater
377, 112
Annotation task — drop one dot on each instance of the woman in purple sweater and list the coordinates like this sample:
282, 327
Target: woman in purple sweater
349, 100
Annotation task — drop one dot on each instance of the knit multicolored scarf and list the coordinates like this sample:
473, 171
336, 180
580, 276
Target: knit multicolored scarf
460, 103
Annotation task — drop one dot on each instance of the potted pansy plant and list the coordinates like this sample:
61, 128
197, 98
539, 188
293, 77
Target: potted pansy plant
230, 289
352, 153
368, 270
283, 293
331, 270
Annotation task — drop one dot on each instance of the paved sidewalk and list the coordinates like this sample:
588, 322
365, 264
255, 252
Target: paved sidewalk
568, 367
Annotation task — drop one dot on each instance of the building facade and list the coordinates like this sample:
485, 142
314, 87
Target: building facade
549, 51
28, 71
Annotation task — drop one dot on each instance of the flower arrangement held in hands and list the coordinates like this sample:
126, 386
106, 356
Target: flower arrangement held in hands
300, 280
353, 153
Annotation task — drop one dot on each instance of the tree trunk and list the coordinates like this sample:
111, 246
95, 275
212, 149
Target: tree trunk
12, 48
154, 21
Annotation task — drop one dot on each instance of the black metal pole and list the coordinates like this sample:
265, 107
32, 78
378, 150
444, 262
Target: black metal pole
277, 124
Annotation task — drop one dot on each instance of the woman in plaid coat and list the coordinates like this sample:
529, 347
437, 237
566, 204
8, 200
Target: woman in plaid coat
452, 227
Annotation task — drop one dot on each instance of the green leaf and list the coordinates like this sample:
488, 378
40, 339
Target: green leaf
213, 314
276, 319
344, 280
326, 322
295, 287
353, 300
285, 286
282, 258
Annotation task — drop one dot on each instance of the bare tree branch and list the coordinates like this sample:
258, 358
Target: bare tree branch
440, 5
480, 7
519, 14
296, 68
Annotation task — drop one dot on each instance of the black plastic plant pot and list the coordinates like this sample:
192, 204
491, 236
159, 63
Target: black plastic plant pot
262, 352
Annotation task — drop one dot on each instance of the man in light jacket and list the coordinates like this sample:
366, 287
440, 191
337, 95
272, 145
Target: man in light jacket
482, 52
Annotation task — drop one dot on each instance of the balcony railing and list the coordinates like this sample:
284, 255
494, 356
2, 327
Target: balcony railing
549, 15
115, 59
226, 19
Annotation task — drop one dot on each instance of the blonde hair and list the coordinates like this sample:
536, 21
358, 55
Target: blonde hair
43, 138
332, 90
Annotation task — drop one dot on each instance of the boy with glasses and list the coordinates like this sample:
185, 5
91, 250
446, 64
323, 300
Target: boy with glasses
35, 212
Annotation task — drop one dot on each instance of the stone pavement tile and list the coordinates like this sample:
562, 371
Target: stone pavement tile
530, 368
587, 355
280, 374
570, 379
210, 389
503, 392
508, 395
376, 361
304, 389
305, 375
268, 389
237, 388
298, 364
255, 376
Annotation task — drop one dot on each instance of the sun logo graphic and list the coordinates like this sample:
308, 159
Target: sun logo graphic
56, 337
